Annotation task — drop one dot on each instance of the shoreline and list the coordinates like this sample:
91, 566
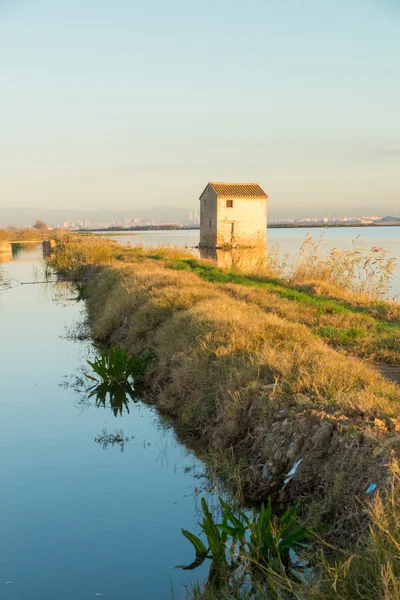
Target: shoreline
244, 370
275, 384
127, 231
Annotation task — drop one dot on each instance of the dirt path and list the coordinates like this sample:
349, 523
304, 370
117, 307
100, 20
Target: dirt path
391, 372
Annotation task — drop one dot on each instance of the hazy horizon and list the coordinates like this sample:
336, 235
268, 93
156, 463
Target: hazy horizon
140, 105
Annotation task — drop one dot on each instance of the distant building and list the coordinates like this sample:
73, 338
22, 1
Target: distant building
233, 214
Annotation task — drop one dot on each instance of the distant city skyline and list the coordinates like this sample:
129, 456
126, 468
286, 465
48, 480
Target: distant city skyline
102, 218
136, 105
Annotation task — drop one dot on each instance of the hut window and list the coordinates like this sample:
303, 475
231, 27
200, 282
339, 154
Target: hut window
229, 204
209, 224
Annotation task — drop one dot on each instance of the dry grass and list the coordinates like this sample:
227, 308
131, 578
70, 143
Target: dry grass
368, 274
242, 367
74, 252
244, 380
28, 234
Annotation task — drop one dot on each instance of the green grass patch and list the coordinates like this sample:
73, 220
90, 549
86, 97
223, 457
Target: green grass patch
214, 274
344, 337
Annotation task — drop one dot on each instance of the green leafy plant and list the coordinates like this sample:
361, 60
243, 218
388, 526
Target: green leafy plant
114, 366
216, 540
245, 544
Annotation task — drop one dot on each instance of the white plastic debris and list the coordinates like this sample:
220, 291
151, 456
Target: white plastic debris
296, 560
292, 471
8, 582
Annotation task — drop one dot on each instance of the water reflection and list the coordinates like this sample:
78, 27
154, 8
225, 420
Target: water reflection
115, 438
245, 259
17, 250
51, 471
117, 397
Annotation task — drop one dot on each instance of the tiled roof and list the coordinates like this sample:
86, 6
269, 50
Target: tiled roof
237, 190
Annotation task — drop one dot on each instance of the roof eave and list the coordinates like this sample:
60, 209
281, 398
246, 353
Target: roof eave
241, 197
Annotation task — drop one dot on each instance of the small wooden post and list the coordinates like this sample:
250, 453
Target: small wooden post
48, 246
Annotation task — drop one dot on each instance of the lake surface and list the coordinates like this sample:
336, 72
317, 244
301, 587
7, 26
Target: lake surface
77, 519
290, 240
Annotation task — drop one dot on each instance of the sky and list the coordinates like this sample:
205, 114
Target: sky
125, 104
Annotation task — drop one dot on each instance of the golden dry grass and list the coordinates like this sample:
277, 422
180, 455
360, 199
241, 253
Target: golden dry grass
245, 372
20, 235
239, 377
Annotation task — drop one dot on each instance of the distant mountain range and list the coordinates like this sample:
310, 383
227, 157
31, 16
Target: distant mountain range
389, 220
26, 215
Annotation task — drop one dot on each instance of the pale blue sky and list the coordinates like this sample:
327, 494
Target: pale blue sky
124, 103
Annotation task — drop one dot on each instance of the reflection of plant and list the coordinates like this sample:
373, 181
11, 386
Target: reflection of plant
114, 366
111, 439
244, 546
216, 550
116, 396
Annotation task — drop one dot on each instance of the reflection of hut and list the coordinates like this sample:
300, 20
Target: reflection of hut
233, 214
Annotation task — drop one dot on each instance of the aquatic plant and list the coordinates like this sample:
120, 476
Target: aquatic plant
249, 544
115, 367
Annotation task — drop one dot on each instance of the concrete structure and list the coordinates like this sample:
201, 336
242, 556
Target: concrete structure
48, 246
233, 214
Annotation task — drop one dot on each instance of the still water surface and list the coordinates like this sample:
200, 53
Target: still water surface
76, 519
290, 240
79, 520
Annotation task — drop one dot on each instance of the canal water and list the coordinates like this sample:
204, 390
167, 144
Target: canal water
79, 519
288, 241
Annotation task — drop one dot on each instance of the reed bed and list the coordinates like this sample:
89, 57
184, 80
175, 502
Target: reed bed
21, 235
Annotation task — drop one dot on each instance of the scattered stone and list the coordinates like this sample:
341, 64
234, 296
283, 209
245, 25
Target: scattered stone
270, 387
322, 436
302, 399
292, 451
266, 473
278, 456
380, 424
396, 424
283, 413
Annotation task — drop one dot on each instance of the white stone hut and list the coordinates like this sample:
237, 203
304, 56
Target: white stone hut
233, 214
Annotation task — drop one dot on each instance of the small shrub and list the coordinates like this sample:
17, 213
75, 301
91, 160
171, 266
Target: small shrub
115, 367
